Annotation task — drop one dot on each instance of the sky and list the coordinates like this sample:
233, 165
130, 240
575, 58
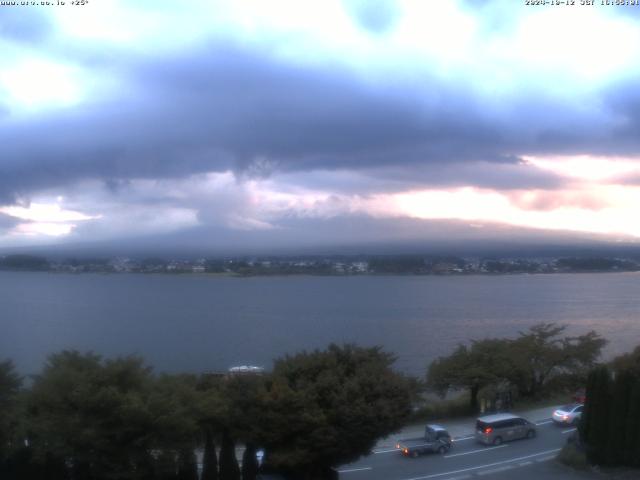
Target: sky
285, 123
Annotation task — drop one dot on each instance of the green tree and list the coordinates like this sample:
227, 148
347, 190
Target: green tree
24, 262
528, 362
174, 404
611, 420
242, 412
166, 465
10, 384
209, 458
483, 363
540, 354
228, 467
627, 367
595, 421
632, 428
617, 418
326, 408
93, 414
628, 361
249, 462
213, 408
187, 465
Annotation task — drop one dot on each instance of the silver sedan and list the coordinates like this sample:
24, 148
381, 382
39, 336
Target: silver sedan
568, 415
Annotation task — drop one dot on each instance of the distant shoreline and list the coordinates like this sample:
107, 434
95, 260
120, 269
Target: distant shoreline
341, 275
328, 266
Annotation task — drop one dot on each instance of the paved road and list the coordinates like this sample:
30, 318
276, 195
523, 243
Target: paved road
466, 460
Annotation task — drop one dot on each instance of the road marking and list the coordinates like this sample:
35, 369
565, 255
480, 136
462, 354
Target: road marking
544, 422
545, 459
355, 470
474, 451
496, 470
546, 452
386, 451
570, 430
461, 477
524, 464
463, 438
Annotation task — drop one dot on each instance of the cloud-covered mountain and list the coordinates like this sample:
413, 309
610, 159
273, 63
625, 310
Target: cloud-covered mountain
123, 121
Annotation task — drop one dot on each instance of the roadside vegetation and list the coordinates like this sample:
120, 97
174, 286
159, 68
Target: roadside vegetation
610, 427
497, 372
84, 417
88, 418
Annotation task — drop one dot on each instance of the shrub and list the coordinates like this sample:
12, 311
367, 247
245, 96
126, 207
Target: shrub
434, 410
573, 457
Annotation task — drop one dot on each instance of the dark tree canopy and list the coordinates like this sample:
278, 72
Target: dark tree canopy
483, 363
326, 408
541, 353
527, 362
23, 262
229, 468
628, 361
10, 383
209, 457
93, 413
610, 427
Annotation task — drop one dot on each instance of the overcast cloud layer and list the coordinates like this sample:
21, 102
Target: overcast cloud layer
121, 121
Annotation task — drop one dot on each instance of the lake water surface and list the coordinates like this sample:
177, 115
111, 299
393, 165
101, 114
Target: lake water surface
198, 323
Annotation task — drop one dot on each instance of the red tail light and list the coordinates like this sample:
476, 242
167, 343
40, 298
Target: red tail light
488, 430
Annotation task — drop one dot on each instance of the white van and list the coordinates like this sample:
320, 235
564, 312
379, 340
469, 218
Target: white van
503, 427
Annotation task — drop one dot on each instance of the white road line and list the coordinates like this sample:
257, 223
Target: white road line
545, 459
524, 464
570, 430
461, 477
463, 438
544, 423
475, 451
386, 451
484, 466
496, 470
355, 470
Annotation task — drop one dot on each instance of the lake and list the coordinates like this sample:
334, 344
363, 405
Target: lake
201, 323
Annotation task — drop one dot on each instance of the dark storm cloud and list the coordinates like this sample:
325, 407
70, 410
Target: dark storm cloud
223, 108
7, 222
227, 107
624, 99
389, 179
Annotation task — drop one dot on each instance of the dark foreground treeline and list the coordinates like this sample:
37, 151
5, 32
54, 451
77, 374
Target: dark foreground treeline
87, 418
539, 362
610, 429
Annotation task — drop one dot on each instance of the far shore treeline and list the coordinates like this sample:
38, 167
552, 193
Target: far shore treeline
84, 417
331, 265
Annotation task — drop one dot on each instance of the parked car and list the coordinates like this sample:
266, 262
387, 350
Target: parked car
503, 427
435, 439
568, 415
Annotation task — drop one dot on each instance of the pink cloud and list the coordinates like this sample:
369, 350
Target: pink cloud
547, 200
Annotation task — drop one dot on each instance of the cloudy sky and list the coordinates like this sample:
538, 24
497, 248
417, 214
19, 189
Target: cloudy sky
290, 122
